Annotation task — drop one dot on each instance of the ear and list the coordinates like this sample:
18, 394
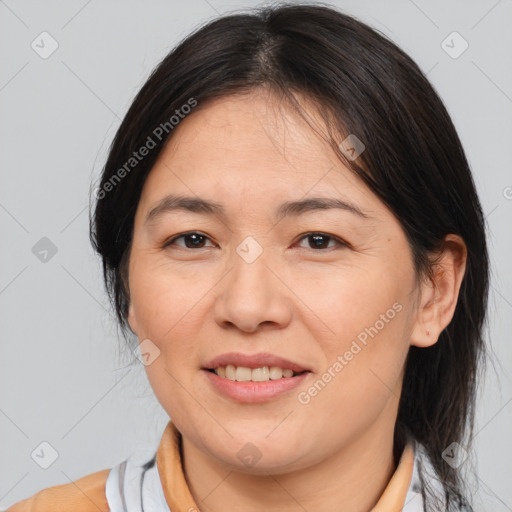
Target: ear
439, 292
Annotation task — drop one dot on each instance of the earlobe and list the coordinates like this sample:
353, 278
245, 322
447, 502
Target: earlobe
425, 331
439, 293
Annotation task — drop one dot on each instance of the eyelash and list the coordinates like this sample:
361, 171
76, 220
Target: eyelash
305, 235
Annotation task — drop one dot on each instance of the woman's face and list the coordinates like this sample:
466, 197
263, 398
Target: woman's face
259, 278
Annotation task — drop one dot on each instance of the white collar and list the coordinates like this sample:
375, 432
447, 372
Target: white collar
135, 487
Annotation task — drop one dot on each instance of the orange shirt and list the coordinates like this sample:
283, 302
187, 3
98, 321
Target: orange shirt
87, 494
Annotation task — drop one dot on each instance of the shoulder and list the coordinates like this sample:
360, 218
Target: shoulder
87, 494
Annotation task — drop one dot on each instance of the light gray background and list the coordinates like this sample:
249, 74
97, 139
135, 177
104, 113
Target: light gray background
61, 377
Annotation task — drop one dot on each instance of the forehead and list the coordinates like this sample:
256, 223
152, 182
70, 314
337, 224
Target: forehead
251, 148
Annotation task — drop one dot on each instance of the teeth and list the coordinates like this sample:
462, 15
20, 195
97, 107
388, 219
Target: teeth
244, 374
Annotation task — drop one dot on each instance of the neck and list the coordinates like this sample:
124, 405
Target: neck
352, 478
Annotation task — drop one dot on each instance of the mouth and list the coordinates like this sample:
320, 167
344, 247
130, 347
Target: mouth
253, 378
259, 374
238, 385
260, 366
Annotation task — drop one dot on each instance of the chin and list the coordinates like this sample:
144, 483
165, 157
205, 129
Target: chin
259, 455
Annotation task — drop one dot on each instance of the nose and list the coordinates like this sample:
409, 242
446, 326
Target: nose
252, 295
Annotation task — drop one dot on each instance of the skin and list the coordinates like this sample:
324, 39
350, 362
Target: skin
252, 153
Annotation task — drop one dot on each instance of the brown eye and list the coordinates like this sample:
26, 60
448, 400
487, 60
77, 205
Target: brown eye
321, 240
193, 240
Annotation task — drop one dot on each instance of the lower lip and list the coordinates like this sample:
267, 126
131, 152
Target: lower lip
253, 392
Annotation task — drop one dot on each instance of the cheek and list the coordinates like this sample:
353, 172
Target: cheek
361, 376
343, 302
165, 300
362, 334
166, 307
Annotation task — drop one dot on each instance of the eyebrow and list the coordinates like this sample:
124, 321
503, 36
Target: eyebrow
199, 205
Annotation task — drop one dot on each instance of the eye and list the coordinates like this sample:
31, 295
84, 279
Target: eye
319, 240
195, 238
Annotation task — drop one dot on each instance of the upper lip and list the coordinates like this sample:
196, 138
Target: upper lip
253, 361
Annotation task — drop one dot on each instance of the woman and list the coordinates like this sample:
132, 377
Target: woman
288, 224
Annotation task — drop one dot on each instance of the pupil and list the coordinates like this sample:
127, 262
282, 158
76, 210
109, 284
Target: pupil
195, 237
318, 238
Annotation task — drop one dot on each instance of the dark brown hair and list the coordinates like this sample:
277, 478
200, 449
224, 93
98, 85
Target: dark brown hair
363, 84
